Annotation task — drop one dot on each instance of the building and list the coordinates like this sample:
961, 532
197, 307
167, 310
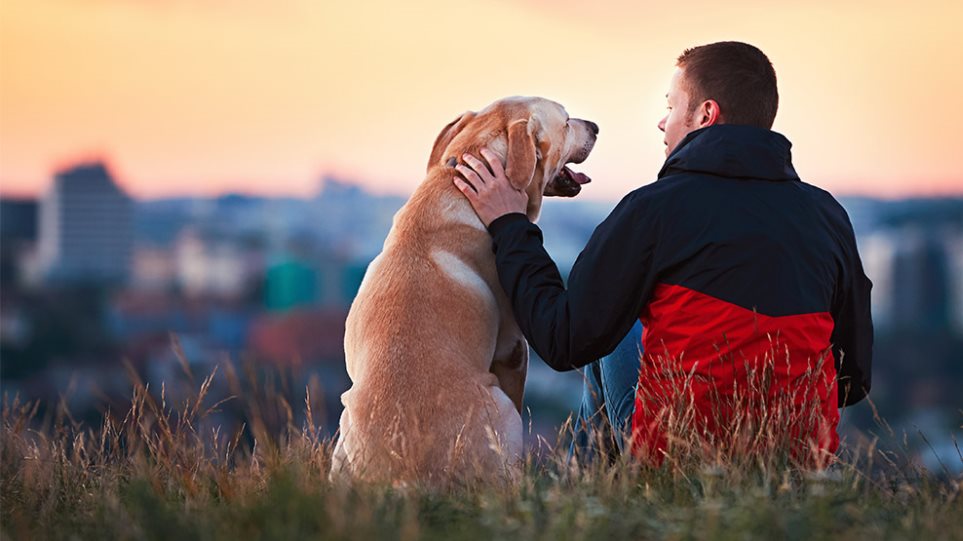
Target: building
153, 269
215, 264
953, 245
18, 234
878, 251
85, 228
920, 292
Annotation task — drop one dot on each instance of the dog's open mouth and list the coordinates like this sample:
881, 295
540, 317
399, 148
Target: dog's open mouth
568, 183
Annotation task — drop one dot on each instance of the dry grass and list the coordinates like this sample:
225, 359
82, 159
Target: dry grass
163, 470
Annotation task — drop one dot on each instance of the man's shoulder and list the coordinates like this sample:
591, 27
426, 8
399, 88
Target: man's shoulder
826, 202
662, 190
647, 201
687, 193
668, 198
678, 193
817, 193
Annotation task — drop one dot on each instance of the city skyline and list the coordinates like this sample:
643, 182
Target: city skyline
318, 184
202, 98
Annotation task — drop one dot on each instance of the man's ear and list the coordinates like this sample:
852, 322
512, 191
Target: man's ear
520, 160
709, 114
448, 133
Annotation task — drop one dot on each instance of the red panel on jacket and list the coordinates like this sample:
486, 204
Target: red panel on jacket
713, 368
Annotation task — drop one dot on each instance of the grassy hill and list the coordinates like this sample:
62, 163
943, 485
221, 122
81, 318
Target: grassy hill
164, 470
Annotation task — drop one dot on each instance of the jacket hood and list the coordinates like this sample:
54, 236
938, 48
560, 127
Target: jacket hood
735, 151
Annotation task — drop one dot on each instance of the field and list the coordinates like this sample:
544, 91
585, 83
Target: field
165, 472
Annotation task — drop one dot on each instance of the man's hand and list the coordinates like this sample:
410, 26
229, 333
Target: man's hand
489, 192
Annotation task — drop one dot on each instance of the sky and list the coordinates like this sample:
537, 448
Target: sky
208, 96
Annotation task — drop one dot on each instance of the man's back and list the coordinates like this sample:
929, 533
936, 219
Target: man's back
752, 269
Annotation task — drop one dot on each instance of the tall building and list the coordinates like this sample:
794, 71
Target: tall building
85, 228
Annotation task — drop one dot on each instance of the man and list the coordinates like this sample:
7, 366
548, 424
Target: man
746, 280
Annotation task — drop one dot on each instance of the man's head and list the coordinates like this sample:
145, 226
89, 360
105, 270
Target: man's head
721, 83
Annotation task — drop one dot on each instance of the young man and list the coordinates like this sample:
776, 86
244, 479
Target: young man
746, 280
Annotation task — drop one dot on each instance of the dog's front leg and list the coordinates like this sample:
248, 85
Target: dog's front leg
510, 366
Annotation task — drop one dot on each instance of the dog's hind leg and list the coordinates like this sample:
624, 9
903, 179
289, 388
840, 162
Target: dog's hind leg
505, 434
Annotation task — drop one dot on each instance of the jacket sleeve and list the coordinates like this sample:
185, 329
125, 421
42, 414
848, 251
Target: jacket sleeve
852, 336
609, 284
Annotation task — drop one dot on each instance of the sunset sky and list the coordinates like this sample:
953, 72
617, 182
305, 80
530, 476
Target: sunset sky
207, 96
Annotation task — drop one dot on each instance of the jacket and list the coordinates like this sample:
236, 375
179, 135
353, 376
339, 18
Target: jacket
727, 259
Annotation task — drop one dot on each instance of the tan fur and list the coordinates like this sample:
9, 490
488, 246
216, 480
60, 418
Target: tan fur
436, 359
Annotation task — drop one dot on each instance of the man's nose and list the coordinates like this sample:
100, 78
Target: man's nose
662, 124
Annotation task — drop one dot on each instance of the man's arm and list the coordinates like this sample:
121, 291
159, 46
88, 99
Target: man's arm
610, 282
609, 285
607, 288
852, 336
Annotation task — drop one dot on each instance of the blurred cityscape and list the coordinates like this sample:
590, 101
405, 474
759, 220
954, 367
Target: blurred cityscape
96, 286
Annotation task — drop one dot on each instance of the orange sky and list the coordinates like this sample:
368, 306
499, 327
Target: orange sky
205, 96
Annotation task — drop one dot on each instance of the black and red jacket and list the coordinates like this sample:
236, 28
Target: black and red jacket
726, 259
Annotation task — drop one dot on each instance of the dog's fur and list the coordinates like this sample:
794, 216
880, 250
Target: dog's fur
437, 361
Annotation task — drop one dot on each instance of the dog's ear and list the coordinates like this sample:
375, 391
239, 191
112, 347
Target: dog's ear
446, 136
520, 161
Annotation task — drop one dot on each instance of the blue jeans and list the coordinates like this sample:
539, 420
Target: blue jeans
608, 399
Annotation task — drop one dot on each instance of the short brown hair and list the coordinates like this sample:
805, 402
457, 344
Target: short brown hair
738, 76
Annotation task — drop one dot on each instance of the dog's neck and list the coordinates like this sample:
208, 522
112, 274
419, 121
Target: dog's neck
439, 207
436, 206
455, 208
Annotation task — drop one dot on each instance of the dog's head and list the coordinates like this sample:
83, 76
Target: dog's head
535, 138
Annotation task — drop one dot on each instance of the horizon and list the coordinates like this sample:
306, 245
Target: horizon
377, 188
202, 98
15, 196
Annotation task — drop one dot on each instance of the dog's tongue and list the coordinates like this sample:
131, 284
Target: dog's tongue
579, 178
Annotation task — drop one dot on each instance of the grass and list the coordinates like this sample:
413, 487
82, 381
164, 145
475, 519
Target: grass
162, 471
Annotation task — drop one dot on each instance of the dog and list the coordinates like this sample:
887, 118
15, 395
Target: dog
435, 357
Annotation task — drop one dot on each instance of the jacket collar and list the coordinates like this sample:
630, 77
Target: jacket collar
735, 151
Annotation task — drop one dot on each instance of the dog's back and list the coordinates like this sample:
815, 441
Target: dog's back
419, 341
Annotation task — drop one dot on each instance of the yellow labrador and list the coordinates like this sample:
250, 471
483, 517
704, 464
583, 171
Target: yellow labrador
436, 359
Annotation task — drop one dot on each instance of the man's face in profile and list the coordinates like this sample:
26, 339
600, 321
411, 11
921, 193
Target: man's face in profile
678, 121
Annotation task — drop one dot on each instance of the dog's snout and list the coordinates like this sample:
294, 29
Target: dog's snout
592, 126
